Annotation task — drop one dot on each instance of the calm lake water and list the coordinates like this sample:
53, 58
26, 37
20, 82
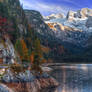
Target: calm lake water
72, 78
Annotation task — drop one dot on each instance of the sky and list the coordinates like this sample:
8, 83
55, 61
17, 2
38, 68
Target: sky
47, 7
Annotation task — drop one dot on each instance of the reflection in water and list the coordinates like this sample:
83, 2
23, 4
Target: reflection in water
73, 78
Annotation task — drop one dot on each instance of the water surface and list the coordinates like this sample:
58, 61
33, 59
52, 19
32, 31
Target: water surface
72, 78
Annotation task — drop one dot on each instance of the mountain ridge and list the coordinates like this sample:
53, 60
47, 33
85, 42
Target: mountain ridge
71, 34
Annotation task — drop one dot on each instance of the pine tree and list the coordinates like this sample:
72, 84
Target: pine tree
38, 49
36, 57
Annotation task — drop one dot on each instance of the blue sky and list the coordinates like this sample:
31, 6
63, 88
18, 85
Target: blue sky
47, 7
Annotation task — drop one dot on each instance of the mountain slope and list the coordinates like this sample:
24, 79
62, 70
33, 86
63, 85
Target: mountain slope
71, 32
61, 40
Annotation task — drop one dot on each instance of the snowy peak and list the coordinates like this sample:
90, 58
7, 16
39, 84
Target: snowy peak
70, 15
54, 16
85, 12
75, 28
59, 15
81, 14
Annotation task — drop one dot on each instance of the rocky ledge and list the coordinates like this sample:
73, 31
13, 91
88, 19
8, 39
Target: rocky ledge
26, 82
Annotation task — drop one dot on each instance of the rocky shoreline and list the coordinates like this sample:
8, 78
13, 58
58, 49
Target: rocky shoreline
26, 82
34, 86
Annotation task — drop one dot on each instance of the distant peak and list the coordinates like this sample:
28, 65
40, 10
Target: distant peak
54, 16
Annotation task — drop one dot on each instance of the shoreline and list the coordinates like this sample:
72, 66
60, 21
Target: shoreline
36, 86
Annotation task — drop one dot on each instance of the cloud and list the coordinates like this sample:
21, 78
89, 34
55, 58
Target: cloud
72, 2
44, 8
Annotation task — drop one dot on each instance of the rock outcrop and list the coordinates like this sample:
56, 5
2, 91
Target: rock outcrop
7, 52
26, 82
35, 86
37, 22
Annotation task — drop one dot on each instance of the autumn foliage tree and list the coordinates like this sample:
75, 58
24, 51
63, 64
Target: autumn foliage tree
22, 50
32, 57
25, 50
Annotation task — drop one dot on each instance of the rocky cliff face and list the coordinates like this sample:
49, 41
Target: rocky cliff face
15, 76
8, 53
36, 21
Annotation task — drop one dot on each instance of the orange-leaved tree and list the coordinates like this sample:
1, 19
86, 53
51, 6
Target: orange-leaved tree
22, 50
25, 50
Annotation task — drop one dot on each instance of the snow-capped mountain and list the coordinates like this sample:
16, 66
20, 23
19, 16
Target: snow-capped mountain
72, 15
64, 36
69, 34
80, 14
53, 16
76, 27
